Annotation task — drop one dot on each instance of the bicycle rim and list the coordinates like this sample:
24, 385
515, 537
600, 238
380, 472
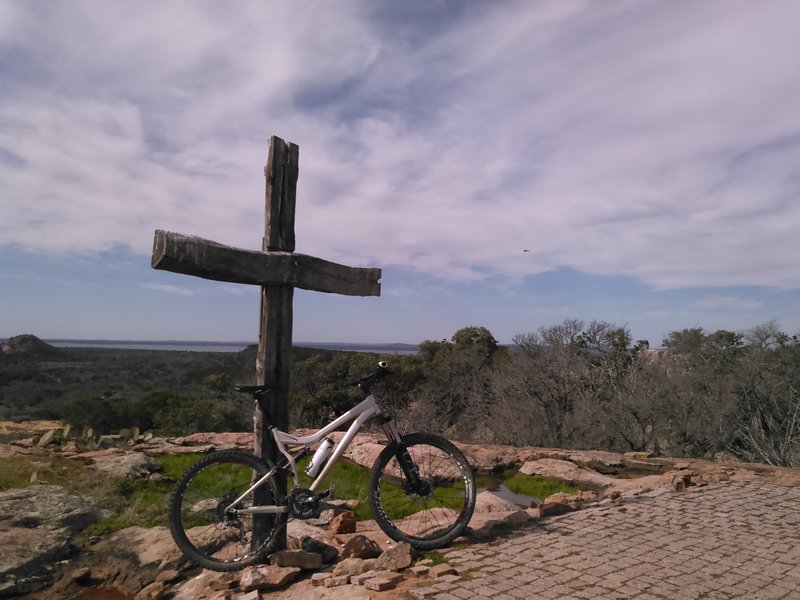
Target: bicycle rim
433, 517
202, 527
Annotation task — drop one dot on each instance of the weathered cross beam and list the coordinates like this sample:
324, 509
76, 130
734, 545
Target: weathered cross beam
278, 270
192, 255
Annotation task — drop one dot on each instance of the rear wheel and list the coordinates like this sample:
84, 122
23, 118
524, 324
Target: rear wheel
431, 511
200, 519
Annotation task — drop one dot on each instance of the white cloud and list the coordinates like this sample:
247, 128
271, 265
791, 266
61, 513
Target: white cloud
655, 140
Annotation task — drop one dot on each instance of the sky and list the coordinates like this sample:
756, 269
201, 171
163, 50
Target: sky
506, 164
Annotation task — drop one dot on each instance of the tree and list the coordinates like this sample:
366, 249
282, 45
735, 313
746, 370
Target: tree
702, 371
323, 386
769, 398
549, 376
477, 342
453, 393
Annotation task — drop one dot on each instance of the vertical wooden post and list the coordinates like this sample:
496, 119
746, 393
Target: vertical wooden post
273, 363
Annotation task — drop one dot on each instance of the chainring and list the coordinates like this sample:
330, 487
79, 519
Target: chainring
303, 504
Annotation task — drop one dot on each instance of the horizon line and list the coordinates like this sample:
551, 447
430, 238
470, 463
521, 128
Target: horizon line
206, 342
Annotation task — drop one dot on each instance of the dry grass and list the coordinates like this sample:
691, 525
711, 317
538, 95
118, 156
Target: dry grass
124, 502
72, 475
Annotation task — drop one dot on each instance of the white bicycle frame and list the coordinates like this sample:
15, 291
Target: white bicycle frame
359, 414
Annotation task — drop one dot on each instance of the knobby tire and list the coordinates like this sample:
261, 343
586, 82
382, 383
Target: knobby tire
439, 515
197, 520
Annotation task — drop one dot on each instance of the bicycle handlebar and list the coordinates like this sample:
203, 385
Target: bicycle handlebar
380, 372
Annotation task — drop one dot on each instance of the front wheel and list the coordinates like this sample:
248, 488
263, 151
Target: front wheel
426, 501
203, 515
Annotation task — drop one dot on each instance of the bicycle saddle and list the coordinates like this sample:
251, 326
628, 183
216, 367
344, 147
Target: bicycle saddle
255, 390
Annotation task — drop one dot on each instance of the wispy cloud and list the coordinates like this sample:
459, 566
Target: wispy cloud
654, 140
728, 303
168, 289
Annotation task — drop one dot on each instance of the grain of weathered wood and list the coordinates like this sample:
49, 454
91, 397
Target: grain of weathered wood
192, 255
281, 172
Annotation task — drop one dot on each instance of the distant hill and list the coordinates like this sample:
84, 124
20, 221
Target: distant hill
28, 345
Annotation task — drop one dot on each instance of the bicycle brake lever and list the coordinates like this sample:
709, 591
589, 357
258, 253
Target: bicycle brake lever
363, 380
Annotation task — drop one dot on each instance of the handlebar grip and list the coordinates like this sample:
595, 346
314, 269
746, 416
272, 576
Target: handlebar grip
382, 370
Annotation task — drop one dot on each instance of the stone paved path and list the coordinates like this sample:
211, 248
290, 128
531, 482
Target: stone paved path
727, 540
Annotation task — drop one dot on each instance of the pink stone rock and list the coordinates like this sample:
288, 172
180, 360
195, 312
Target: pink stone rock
319, 578
361, 546
353, 566
343, 523
360, 579
487, 501
270, 577
580, 496
154, 591
168, 576
379, 584
395, 559
441, 570
297, 558
392, 576
337, 581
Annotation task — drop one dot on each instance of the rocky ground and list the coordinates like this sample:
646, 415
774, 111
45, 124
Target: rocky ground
47, 553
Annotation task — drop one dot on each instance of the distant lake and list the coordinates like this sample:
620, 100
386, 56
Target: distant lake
183, 346
170, 345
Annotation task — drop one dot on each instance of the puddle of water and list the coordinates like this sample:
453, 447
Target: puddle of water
496, 483
632, 469
519, 499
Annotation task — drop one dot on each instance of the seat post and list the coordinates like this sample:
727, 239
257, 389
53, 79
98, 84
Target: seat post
259, 396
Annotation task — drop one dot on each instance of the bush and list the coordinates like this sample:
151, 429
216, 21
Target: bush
164, 412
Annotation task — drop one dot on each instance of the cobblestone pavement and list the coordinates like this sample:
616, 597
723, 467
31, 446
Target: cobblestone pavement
727, 540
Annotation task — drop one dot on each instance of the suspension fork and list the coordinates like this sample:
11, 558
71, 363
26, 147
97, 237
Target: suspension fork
407, 464
410, 469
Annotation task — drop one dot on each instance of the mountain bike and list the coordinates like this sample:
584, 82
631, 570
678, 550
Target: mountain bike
421, 488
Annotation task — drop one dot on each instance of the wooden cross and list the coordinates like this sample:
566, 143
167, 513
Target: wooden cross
278, 270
